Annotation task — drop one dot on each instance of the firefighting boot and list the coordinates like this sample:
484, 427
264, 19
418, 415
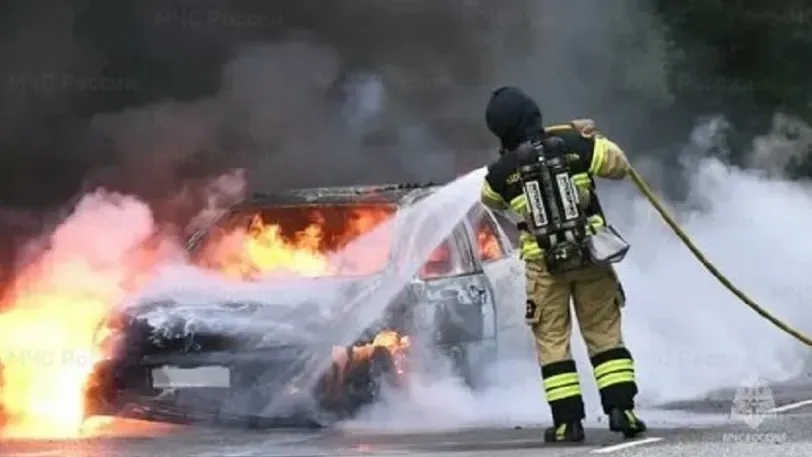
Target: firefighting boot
626, 422
566, 432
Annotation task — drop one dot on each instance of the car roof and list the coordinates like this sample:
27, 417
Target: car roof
397, 194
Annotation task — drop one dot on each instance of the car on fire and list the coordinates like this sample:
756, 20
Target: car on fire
269, 377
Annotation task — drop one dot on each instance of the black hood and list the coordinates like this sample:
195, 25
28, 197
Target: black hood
513, 116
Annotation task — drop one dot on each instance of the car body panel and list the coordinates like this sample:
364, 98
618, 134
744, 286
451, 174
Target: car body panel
459, 300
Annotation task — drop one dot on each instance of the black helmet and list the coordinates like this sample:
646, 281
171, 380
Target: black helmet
513, 116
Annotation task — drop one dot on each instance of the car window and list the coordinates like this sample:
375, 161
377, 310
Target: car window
463, 243
509, 228
451, 258
489, 244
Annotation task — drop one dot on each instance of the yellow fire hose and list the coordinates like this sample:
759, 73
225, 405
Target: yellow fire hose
658, 205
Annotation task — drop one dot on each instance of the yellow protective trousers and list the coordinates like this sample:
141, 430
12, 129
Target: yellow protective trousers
597, 297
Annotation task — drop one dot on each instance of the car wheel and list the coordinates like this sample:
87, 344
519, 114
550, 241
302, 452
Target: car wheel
382, 372
99, 390
367, 380
460, 365
473, 372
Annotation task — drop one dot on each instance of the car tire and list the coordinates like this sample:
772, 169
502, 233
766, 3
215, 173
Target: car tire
367, 380
460, 366
99, 390
472, 373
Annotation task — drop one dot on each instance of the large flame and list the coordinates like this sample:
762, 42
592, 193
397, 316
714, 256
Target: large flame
54, 306
268, 246
107, 249
102, 252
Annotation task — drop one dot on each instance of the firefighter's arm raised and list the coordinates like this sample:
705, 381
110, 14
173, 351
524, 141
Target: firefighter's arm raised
608, 159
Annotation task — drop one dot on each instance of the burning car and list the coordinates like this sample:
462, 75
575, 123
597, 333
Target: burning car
289, 373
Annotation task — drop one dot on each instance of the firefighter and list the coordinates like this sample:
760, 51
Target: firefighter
594, 288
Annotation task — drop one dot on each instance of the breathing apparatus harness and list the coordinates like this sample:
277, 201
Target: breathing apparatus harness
554, 216
539, 168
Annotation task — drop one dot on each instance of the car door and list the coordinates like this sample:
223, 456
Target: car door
457, 291
461, 298
498, 253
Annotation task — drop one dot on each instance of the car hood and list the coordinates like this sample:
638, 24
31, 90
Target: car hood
296, 311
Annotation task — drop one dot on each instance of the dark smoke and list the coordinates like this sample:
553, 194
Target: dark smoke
150, 97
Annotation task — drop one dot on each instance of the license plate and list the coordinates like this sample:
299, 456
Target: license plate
180, 378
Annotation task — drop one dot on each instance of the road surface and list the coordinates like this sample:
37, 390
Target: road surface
700, 428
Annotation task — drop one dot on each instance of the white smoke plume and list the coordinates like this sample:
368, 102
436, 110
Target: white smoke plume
689, 335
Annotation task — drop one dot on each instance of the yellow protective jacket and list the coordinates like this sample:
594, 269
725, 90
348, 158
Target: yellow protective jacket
599, 156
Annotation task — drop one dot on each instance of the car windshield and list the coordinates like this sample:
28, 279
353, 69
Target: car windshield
298, 241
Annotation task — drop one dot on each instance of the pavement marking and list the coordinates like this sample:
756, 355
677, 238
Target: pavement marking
626, 445
446, 444
790, 406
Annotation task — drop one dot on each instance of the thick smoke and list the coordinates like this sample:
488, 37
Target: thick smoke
159, 99
201, 86
156, 98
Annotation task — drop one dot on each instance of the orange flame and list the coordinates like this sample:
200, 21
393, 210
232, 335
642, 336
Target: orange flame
488, 245
345, 360
394, 342
53, 309
267, 248
488, 242
46, 359
57, 304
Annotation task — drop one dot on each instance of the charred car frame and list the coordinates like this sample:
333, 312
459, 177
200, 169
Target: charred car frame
453, 290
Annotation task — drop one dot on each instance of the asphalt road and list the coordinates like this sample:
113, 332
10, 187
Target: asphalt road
700, 428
